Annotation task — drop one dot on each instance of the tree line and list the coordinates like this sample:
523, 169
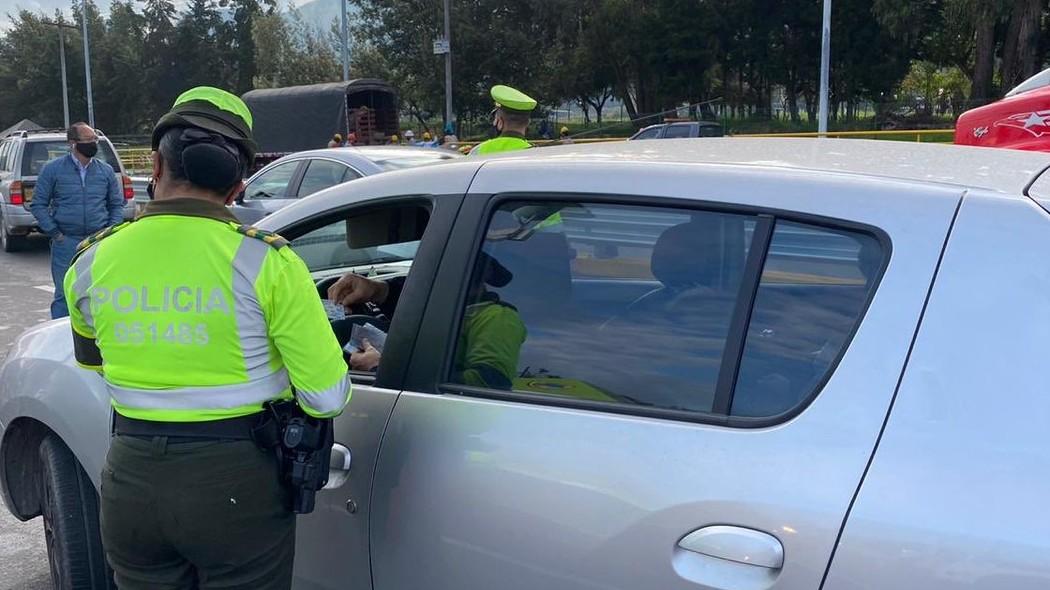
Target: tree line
144, 54
746, 58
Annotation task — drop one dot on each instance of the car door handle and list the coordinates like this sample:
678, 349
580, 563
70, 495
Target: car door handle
339, 467
738, 544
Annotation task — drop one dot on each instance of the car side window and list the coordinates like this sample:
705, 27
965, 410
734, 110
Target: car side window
814, 286
649, 134
272, 184
677, 131
331, 246
5, 149
612, 303
321, 174
645, 307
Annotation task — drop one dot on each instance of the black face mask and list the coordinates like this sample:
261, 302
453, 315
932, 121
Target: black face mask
87, 148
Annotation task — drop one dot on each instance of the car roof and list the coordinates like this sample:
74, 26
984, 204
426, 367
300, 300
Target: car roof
366, 159
1000, 170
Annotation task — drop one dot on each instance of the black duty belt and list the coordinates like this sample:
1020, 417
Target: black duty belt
229, 429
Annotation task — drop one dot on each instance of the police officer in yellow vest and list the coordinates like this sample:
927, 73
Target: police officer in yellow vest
195, 322
511, 119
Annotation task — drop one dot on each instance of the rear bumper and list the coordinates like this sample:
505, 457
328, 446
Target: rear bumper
18, 220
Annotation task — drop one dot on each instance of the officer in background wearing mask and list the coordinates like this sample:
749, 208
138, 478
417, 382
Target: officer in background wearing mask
76, 196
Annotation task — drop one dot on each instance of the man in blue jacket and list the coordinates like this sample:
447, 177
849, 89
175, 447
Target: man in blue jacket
76, 196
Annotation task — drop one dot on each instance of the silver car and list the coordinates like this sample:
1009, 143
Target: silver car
22, 155
305, 173
728, 364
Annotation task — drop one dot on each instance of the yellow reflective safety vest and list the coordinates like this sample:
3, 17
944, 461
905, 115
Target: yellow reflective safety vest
191, 317
489, 344
507, 142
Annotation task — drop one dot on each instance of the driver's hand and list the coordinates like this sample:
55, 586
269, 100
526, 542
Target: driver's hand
365, 360
352, 289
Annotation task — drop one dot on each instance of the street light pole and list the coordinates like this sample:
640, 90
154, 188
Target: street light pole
346, 42
825, 67
87, 64
448, 63
65, 90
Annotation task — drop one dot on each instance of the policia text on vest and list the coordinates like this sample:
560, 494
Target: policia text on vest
221, 366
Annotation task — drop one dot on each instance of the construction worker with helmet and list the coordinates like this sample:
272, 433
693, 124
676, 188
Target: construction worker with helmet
192, 349
510, 118
565, 138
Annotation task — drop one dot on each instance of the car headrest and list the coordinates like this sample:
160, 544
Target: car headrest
687, 255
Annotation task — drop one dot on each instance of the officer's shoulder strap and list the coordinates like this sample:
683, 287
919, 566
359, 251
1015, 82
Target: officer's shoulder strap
99, 236
269, 237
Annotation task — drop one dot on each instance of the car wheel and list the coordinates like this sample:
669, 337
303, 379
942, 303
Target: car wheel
71, 526
8, 242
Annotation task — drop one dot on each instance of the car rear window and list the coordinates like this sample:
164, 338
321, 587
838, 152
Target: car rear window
38, 153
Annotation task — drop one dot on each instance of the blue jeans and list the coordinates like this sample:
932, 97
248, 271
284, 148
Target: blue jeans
62, 252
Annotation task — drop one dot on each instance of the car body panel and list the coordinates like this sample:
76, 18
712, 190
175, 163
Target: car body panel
41, 381
535, 496
482, 493
956, 494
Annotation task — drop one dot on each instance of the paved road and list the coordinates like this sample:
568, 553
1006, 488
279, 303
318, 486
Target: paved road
25, 283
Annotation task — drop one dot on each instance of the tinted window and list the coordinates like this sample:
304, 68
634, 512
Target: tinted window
613, 303
37, 153
321, 174
648, 133
814, 286
711, 131
677, 131
272, 184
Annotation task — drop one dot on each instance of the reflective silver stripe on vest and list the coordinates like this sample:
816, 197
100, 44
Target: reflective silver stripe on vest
219, 397
82, 266
247, 310
326, 401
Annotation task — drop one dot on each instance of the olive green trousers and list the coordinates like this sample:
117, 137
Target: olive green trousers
184, 514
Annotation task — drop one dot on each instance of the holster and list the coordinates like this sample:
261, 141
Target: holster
303, 445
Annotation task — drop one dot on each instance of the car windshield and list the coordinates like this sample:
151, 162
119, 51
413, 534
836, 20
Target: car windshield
38, 153
412, 160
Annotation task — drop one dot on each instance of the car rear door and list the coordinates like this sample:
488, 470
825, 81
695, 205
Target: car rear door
669, 424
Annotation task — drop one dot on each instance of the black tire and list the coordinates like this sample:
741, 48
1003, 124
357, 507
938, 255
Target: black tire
8, 242
71, 527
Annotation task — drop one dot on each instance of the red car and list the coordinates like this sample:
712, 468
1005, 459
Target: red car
1019, 121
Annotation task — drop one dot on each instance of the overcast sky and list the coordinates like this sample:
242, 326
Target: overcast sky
48, 7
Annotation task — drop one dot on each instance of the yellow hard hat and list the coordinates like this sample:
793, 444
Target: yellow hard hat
564, 129
393, 138
512, 99
426, 135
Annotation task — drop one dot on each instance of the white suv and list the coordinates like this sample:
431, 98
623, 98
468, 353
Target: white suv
22, 156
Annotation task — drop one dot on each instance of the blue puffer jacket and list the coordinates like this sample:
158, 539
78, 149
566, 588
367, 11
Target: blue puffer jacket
64, 204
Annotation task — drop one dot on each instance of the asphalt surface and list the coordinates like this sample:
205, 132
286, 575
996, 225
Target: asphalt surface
25, 294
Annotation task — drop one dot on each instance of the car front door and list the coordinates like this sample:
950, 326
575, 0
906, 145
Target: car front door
676, 387
332, 550
269, 190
